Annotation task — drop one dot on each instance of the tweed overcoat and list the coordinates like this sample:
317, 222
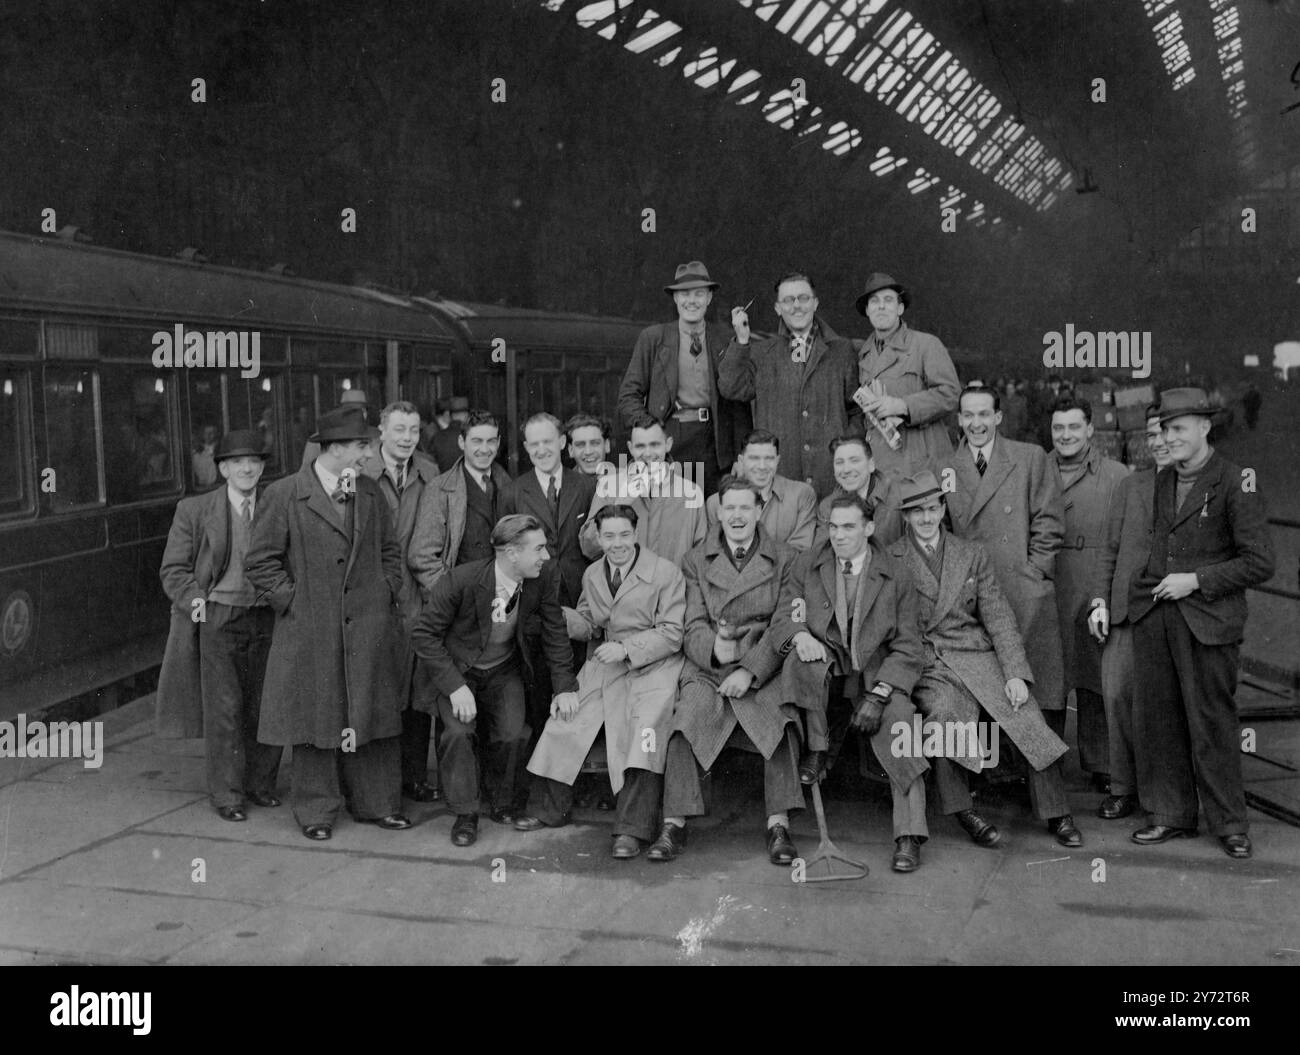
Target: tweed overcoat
440, 523
789, 516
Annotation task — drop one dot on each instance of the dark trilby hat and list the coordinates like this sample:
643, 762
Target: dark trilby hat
343, 424
878, 281
353, 396
1175, 402
691, 275
239, 444
918, 489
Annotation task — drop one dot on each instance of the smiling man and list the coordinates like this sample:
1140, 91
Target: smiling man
788, 508
856, 474
1209, 544
589, 443
801, 380
1088, 482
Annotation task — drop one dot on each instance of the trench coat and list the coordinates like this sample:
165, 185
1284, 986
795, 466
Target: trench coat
972, 649
915, 367
885, 646
807, 404
440, 523
631, 698
887, 516
197, 552
1088, 500
1014, 511
336, 651
716, 591
789, 516
669, 523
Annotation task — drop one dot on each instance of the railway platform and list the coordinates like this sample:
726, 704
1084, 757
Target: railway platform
127, 864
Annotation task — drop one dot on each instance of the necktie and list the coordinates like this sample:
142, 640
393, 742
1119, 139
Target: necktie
616, 580
740, 554
980, 463
761, 501
246, 511
514, 600
696, 346
552, 495
339, 495
929, 550
401, 478
848, 569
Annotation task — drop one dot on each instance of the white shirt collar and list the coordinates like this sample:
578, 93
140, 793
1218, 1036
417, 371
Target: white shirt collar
856, 563
506, 586
328, 480
987, 449
544, 479
237, 500
749, 546
392, 465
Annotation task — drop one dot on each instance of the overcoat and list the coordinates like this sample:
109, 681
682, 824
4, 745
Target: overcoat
915, 367
972, 649
650, 383
789, 516
440, 522
670, 520
887, 515
336, 651
886, 644
1014, 511
576, 492
1128, 542
807, 404
1088, 500
633, 699
197, 552
452, 631
749, 598
1220, 533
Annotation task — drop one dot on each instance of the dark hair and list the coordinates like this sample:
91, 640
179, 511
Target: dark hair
643, 419
762, 436
979, 388
588, 421
510, 529
846, 439
793, 276
479, 417
1065, 403
615, 512
732, 482
853, 502
1153, 411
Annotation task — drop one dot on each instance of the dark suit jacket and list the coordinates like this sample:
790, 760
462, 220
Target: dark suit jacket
576, 492
452, 632
1128, 542
650, 383
1222, 535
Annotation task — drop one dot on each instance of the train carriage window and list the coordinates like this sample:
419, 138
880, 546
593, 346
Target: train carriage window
70, 437
139, 433
303, 422
20, 338
15, 451
258, 403
207, 423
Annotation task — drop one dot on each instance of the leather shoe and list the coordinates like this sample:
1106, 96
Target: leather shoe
907, 855
1113, 807
1236, 845
813, 767
465, 830
232, 813
421, 791
780, 847
264, 799
504, 814
394, 822
671, 842
1067, 834
1160, 833
625, 847
526, 822
319, 832
981, 832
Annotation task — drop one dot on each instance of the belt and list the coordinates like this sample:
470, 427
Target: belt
691, 414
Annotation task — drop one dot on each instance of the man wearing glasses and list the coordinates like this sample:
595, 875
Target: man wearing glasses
801, 381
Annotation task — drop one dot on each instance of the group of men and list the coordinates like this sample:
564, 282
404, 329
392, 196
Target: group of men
790, 552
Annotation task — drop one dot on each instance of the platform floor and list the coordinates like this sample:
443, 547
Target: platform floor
100, 866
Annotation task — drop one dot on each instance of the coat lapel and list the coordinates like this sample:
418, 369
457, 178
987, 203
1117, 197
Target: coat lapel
1206, 487
999, 469
362, 507
873, 583
485, 592
668, 349
569, 486
528, 487
310, 488
217, 527
952, 576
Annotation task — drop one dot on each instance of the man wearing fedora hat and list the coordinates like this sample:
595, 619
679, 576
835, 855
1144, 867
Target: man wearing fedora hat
325, 556
1209, 543
353, 397
801, 380
910, 379
673, 375
211, 680
975, 668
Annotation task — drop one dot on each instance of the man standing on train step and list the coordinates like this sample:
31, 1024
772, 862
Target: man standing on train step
211, 680
403, 474
456, 515
801, 380
911, 377
673, 375
325, 556
1088, 484
1209, 544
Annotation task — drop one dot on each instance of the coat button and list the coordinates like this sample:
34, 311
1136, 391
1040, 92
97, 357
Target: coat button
347, 620
805, 413
1006, 509
807, 447
340, 560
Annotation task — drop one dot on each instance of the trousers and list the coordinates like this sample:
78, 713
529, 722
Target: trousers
372, 774
499, 697
686, 784
637, 810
